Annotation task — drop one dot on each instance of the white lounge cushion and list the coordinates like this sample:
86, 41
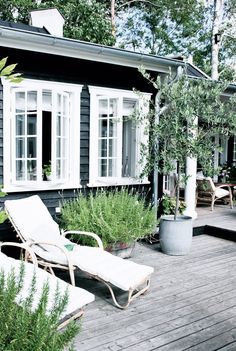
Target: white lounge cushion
221, 192
78, 297
33, 219
40, 226
122, 273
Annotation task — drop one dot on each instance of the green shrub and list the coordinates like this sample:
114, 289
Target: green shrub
3, 216
167, 205
22, 329
116, 216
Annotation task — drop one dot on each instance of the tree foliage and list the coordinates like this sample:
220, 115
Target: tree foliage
84, 20
191, 112
8, 73
184, 28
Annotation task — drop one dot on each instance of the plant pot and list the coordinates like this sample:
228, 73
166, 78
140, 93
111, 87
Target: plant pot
123, 250
176, 235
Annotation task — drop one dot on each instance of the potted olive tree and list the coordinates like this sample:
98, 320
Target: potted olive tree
189, 114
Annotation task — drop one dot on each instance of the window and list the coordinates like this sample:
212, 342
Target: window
115, 136
41, 129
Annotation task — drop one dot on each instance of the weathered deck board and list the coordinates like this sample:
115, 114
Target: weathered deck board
221, 217
191, 304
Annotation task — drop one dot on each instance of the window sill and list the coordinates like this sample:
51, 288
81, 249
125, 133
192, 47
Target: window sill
42, 186
117, 182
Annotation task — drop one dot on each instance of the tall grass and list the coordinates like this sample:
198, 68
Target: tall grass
116, 216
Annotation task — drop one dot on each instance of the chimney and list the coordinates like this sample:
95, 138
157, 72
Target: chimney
51, 19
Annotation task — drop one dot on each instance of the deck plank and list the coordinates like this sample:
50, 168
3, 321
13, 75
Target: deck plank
191, 304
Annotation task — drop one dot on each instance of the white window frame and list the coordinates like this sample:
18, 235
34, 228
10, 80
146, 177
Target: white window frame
73, 172
100, 92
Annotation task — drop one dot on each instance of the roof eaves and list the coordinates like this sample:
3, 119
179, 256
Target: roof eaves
39, 42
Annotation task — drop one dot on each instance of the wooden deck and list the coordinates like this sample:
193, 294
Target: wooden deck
191, 304
221, 217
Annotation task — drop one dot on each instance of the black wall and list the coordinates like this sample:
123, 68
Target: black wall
63, 69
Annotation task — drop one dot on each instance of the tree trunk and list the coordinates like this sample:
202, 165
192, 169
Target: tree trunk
218, 13
113, 25
177, 190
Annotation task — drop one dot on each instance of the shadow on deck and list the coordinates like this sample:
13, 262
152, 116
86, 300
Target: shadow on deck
191, 304
221, 222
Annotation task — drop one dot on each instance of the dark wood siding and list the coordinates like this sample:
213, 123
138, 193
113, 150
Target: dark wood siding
70, 70
78, 71
84, 136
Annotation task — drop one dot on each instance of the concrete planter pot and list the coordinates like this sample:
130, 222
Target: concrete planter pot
176, 235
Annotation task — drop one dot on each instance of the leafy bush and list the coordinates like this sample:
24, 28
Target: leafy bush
117, 216
3, 216
22, 329
167, 205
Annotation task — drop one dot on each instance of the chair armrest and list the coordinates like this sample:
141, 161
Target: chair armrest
65, 251
224, 186
78, 232
24, 246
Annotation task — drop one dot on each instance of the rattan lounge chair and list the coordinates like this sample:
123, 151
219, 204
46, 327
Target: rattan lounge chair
77, 297
208, 191
34, 224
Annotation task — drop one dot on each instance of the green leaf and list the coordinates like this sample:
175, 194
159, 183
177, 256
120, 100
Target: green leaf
8, 70
3, 62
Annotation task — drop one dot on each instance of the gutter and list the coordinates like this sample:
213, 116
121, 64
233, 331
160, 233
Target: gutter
39, 42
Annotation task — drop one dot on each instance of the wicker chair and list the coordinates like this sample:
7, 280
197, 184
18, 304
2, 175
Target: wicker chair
207, 191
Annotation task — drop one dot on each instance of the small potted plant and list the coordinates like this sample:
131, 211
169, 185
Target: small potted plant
47, 169
119, 217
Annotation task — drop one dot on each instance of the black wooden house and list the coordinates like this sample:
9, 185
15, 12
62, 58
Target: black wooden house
69, 113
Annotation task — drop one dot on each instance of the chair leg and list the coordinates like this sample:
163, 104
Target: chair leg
212, 202
131, 294
72, 276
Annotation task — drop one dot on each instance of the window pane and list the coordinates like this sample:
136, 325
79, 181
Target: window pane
47, 100
103, 148
129, 106
103, 106
31, 147
112, 128
20, 147
65, 105
102, 168
58, 147
31, 170
59, 103
112, 168
20, 170
63, 146
58, 168
103, 127
113, 108
32, 125
129, 148
64, 126
20, 102
20, 124
112, 148
58, 125
32, 101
